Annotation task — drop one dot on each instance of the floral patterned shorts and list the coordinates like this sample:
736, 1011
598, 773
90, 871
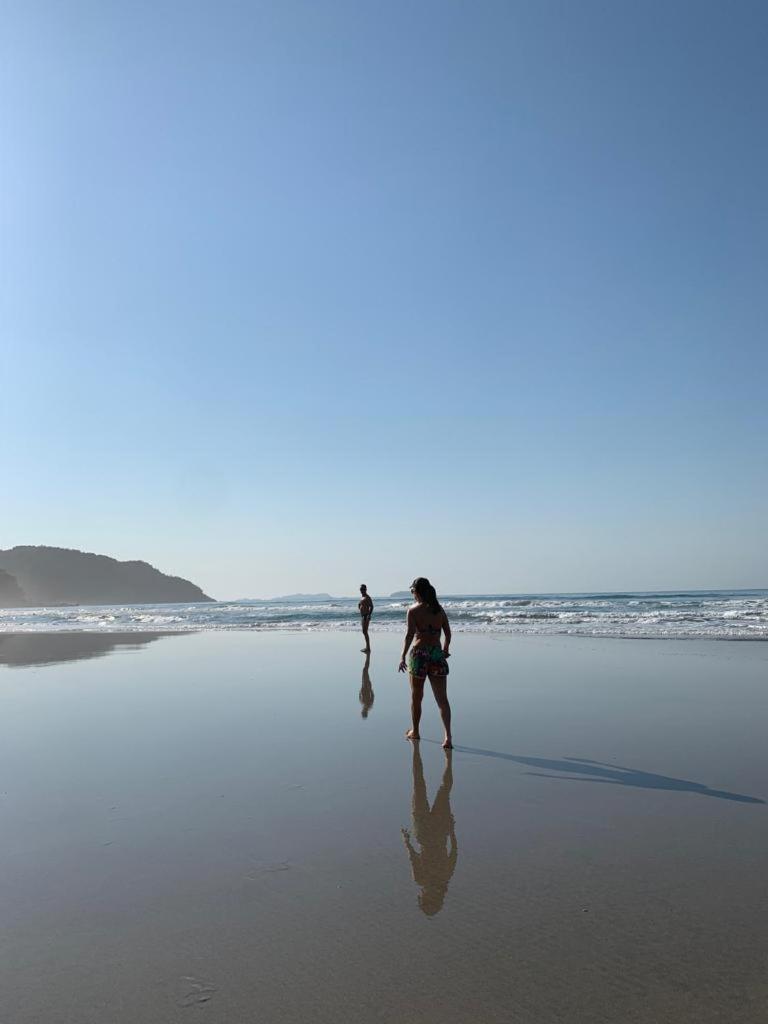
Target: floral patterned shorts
423, 661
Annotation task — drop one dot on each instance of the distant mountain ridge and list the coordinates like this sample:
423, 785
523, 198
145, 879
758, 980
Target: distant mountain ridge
11, 594
49, 576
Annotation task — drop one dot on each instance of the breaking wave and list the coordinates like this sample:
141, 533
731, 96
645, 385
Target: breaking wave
718, 615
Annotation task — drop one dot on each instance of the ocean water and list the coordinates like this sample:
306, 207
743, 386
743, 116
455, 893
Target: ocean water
715, 614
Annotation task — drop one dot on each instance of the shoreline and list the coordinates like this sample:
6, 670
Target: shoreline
727, 615
351, 629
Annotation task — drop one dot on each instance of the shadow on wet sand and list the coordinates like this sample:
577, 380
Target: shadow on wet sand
582, 769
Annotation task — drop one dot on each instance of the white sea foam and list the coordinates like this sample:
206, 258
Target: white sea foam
723, 615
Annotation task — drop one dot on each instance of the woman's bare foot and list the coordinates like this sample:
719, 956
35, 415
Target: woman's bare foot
411, 734
447, 744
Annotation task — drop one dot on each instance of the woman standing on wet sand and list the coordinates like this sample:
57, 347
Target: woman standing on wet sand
425, 621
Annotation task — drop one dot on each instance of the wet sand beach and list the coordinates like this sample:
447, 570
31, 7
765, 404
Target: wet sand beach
231, 827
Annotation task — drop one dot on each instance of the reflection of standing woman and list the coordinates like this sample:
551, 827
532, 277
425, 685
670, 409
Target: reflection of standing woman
434, 828
425, 621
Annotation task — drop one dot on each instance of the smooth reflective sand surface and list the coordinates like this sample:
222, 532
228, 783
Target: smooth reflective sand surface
230, 827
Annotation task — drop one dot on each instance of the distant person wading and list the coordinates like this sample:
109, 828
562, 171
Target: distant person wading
425, 621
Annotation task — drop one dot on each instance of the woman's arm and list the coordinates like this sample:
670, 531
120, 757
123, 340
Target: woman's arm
410, 629
447, 631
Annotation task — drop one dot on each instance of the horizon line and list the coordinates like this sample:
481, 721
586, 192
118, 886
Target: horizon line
322, 595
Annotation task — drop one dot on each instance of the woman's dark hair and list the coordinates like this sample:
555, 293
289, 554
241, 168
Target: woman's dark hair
427, 593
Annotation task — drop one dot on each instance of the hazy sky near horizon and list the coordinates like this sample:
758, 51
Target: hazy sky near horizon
296, 295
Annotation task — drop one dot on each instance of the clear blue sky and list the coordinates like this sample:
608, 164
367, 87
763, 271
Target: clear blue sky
294, 295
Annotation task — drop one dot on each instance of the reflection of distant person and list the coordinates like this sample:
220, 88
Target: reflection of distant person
365, 607
426, 620
366, 690
434, 831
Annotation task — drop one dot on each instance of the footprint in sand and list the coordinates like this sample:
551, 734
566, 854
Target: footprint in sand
270, 869
193, 992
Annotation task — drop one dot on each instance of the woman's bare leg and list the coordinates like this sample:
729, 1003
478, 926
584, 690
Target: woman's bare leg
440, 690
417, 695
